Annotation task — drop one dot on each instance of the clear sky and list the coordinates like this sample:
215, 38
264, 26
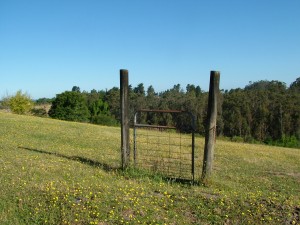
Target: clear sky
49, 46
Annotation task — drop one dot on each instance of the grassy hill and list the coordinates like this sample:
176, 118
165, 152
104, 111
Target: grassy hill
56, 172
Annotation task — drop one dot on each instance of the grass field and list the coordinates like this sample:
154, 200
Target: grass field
56, 172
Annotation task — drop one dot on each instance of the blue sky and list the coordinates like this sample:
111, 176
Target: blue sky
47, 47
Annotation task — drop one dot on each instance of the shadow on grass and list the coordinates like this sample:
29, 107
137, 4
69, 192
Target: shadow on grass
130, 173
104, 166
140, 173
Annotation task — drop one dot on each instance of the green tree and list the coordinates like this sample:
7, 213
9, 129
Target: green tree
137, 100
76, 88
295, 86
71, 106
152, 102
293, 107
233, 112
140, 90
20, 103
44, 101
112, 97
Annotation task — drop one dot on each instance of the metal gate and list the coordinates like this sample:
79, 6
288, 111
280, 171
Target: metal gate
166, 149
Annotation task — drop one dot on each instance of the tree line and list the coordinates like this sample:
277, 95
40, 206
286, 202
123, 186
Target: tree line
263, 111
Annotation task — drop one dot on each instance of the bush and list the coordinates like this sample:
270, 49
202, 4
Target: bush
3, 104
70, 106
249, 139
237, 139
285, 141
104, 120
290, 142
20, 103
39, 112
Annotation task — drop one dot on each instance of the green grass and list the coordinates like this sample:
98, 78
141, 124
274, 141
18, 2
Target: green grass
55, 172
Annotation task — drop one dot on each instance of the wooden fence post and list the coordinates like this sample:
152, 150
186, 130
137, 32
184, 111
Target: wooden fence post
210, 130
124, 105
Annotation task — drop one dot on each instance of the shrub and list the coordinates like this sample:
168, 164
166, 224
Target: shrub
285, 141
39, 112
104, 120
237, 139
290, 142
20, 103
249, 139
70, 106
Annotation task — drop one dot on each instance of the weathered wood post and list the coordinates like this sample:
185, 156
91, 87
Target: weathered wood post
124, 105
210, 130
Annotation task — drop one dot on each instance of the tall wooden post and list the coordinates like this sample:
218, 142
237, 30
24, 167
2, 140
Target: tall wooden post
210, 130
124, 105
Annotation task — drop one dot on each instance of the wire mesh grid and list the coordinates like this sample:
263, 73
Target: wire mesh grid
165, 150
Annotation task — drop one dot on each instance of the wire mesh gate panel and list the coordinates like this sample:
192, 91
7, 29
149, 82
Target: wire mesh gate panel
166, 149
